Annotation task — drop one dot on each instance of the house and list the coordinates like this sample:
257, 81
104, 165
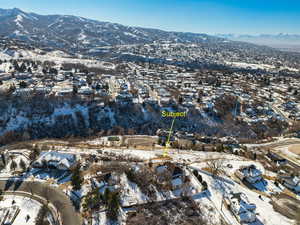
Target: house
57, 160
291, 182
85, 90
110, 141
276, 158
176, 174
60, 77
250, 174
178, 177
124, 97
23, 92
241, 208
64, 91
22, 76
5, 76
177, 183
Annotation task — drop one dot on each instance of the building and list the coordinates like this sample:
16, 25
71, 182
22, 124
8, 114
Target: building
241, 208
5, 76
276, 158
291, 182
56, 160
250, 174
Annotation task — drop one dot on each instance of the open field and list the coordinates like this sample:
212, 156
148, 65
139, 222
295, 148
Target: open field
295, 149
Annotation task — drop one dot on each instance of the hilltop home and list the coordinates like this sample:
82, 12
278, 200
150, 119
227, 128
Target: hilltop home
250, 174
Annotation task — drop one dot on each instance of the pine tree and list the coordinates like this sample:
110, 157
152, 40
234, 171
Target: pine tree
106, 195
22, 165
42, 214
113, 206
76, 178
13, 165
23, 84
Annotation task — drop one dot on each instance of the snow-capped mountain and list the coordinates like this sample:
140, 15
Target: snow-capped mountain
76, 32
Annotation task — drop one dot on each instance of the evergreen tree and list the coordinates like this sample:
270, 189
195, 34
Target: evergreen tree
113, 206
42, 214
106, 195
22, 165
13, 165
76, 178
29, 70
23, 84
22, 68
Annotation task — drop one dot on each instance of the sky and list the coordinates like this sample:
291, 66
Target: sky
199, 16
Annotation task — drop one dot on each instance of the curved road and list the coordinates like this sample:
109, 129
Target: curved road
55, 196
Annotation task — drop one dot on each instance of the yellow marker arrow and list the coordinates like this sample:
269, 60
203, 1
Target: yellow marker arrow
168, 140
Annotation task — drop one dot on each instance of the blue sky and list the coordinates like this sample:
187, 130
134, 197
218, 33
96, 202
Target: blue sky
201, 16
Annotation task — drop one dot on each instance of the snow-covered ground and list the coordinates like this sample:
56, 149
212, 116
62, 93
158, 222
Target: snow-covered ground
258, 66
27, 206
251, 65
18, 160
58, 57
218, 188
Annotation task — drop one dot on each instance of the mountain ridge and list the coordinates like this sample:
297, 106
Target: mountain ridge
282, 41
77, 32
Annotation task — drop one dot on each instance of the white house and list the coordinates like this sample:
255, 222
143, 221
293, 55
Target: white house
58, 160
250, 174
241, 208
291, 182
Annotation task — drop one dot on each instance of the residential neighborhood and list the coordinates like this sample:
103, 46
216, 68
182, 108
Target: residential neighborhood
179, 122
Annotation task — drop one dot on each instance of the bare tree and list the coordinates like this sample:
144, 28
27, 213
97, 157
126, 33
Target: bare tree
216, 166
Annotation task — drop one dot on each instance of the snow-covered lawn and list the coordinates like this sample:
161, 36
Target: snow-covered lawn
26, 205
17, 158
221, 187
57, 57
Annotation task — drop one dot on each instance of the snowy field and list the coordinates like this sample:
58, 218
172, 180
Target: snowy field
220, 187
27, 206
57, 57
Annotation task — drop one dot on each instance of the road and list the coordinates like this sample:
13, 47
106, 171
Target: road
277, 144
55, 196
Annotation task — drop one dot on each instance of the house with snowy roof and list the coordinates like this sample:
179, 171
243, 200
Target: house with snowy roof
250, 174
56, 160
291, 182
176, 174
241, 208
276, 158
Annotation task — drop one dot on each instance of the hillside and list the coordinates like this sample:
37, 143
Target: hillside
76, 32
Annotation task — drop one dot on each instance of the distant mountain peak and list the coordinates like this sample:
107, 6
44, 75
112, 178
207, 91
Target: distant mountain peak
74, 32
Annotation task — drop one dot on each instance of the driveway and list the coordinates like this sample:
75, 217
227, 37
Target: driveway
55, 196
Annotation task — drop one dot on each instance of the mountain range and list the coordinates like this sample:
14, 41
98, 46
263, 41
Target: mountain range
73, 32
281, 41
